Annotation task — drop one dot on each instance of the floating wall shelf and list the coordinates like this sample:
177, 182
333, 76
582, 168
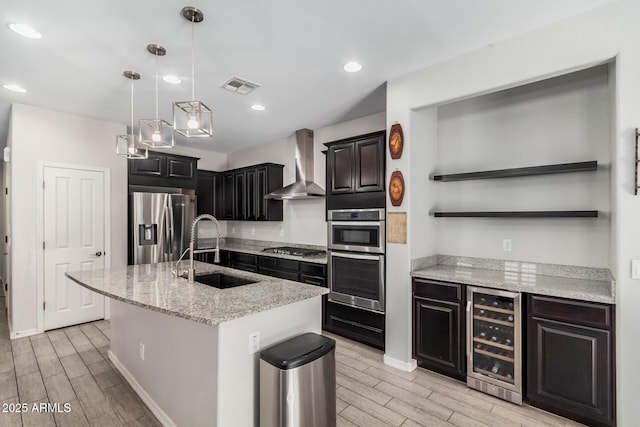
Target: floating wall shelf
518, 214
516, 172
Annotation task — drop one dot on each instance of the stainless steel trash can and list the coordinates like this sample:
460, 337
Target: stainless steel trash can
298, 383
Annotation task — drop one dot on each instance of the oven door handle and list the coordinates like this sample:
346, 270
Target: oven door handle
356, 256
376, 223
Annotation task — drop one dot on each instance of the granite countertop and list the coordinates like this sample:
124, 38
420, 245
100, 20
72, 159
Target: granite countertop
256, 247
585, 289
154, 286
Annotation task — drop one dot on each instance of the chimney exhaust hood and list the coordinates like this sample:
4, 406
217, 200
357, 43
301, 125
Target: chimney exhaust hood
304, 187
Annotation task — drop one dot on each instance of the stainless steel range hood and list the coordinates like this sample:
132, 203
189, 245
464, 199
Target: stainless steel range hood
304, 187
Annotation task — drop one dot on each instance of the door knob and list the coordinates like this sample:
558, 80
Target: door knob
98, 253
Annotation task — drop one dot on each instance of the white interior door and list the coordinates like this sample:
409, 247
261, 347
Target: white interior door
74, 235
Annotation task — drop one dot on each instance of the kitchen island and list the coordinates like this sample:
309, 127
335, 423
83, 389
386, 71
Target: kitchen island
185, 348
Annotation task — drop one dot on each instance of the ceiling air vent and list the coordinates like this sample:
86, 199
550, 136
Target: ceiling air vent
239, 85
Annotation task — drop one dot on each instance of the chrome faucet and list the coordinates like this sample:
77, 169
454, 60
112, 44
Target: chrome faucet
191, 272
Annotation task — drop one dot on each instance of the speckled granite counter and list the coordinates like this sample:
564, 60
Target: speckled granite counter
256, 247
153, 286
596, 285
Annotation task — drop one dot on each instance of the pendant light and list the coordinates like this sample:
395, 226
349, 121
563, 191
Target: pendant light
192, 118
156, 133
129, 145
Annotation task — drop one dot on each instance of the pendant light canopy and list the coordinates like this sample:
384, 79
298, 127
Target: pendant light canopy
156, 133
192, 118
129, 145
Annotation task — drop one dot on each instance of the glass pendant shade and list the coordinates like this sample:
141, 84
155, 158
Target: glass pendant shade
192, 119
128, 146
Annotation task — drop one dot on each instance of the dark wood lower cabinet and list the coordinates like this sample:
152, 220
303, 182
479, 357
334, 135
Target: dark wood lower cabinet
570, 359
439, 327
355, 323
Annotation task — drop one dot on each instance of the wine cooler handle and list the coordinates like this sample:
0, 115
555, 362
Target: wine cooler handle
469, 331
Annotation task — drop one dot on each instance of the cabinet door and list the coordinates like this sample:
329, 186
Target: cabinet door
181, 168
341, 168
369, 165
252, 191
154, 166
438, 336
205, 192
227, 196
240, 196
569, 370
262, 212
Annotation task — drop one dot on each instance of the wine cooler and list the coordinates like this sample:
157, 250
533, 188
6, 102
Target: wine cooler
494, 362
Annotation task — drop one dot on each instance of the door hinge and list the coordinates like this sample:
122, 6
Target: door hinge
42, 245
6, 190
44, 305
42, 184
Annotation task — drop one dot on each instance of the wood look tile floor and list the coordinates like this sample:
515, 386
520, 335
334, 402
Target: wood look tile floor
70, 365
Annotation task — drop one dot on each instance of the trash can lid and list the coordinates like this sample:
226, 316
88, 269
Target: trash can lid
298, 351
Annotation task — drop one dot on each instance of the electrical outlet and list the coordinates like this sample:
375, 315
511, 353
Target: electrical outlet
253, 231
142, 352
635, 268
233, 230
281, 230
254, 342
506, 245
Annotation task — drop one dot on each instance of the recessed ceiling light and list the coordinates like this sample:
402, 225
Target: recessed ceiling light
25, 31
258, 107
174, 80
14, 88
352, 67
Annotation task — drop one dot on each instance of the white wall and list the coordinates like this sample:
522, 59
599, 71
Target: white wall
573, 44
561, 120
42, 135
304, 220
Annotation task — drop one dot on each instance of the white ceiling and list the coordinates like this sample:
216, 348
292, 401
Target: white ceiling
294, 48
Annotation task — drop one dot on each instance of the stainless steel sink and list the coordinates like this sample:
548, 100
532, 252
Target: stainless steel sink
222, 281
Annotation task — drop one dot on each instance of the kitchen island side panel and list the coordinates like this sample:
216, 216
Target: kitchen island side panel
180, 367
238, 374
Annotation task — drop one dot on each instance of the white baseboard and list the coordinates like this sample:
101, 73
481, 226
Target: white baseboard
399, 364
21, 334
153, 406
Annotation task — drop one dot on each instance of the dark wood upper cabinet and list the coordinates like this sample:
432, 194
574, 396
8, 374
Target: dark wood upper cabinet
242, 191
369, 165
439, 327
341, 159
206, 192
240, 197
164, 170
355, 172
226, 197
570, 359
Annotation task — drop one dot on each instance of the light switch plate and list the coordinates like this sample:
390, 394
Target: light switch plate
635, 268
254, 342
506, 245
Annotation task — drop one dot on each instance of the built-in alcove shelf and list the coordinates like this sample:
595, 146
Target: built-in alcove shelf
518, 214
516, 172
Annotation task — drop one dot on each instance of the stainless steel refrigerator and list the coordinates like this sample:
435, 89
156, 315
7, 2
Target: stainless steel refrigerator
159, 226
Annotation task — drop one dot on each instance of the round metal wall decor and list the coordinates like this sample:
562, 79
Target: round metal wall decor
396, 188
396, 141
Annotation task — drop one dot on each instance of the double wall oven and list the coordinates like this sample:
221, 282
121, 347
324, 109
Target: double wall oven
356, 263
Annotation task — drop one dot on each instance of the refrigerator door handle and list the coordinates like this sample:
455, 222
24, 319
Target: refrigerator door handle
170, 228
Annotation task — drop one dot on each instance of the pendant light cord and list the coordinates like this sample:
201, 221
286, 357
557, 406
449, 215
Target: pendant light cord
193, 60
156, 84
131, 78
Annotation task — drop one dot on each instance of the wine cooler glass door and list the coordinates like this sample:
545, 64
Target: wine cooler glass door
494, 337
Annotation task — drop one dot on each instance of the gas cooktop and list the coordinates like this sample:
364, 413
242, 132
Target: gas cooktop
289, 250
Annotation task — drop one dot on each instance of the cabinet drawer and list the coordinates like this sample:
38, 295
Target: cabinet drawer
289, 275
287, 264
438, 290
269, 262
243, 266
313, 269
576, 312
313, 280
360, 325
237, 257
